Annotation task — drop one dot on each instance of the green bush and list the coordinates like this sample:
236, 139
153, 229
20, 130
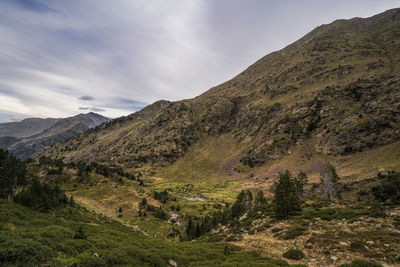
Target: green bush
294, 254
31, 238
23, 250
215, 238
80, 233
275, 230
329, 214
361, 263
294, 232
389, 190
357, 246
233, 238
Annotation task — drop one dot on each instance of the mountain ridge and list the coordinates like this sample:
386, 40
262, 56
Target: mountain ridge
24, 146
330, 86
26, 127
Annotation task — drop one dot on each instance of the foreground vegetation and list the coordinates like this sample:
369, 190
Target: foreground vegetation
41, 226
73, 236
58, 218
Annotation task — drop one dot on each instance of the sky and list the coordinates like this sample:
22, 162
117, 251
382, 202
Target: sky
61, 58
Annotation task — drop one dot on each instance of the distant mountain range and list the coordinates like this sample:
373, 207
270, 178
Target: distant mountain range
24, 138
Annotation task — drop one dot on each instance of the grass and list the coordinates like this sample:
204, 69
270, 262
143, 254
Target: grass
107, 198
33, 238
210, 158
104, 196
329, 214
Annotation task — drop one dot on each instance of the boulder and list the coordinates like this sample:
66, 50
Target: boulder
171, 262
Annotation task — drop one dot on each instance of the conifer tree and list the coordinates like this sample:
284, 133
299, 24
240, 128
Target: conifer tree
197, 230
260, 199
190, 228
300, 181
286, 201
12, 174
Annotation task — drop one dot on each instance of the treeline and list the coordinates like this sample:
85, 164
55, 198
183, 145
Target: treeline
145, 207
12, 174
84, 169
247, 201
161, 196
32, 193
288, 193
42, 197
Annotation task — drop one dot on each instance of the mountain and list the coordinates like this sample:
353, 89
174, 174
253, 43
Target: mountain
26, 127
336, 90
296, 158
24, 138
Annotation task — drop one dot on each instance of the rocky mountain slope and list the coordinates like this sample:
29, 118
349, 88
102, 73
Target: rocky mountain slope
27, 136
338, 87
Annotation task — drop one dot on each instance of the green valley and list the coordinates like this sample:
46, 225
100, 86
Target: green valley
293, 162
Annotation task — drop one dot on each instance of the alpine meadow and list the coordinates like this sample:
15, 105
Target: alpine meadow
293, 162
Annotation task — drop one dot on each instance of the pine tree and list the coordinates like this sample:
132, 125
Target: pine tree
190, 228
238, 207
12, 174
260, 199
286, 201
300, 181
197, 230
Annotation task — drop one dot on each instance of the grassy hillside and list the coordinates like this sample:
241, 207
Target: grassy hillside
70, 236
337, 88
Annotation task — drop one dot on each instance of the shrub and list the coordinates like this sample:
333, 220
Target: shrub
80, 233
161, 196
328, 214
389, 190
276, 230
233, 238
357, 246
294, 232
216, 238
361, 263
294, 254
22, 251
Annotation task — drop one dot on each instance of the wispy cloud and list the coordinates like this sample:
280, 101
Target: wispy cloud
125, 54
86, 98
97, 109
83, 108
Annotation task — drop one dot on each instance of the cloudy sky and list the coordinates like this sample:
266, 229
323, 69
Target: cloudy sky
61, 58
